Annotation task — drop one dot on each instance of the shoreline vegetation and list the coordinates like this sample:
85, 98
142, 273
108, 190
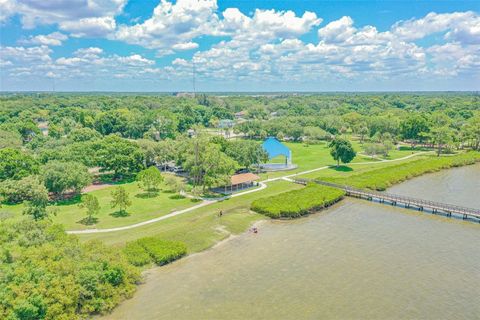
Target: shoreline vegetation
381, 178
297, 203
146, 251
313, 197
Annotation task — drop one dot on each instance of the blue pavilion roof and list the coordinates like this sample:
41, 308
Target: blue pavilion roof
275, 148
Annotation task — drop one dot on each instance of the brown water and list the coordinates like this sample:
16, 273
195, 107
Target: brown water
358, 260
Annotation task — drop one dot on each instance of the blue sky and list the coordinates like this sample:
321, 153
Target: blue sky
288, 45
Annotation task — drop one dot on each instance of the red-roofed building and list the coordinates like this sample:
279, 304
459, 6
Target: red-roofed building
242, 181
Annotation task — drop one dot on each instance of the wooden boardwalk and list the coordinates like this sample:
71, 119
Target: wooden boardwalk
408, 202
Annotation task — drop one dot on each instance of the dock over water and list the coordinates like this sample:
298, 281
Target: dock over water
407, 202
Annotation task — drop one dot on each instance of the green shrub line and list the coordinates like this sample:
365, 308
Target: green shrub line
147, 250
136, 254
296, 203
381, 179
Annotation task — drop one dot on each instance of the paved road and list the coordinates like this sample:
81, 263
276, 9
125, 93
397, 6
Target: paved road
208, 202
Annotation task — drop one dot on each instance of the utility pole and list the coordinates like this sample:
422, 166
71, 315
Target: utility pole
193, 76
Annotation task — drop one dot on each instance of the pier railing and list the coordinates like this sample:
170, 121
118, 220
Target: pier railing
395, 199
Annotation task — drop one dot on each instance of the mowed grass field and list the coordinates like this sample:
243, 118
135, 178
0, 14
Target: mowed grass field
357, 167
201, 228
144, 207
308, 157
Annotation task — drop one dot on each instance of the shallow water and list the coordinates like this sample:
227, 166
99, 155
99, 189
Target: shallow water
357, 260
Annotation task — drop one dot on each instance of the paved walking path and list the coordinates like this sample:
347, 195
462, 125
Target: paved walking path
208, 202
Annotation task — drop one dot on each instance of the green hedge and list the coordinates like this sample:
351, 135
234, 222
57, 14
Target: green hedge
382, 178
297, 203
151, 249
136, 254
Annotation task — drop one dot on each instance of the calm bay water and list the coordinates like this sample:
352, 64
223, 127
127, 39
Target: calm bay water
358, 260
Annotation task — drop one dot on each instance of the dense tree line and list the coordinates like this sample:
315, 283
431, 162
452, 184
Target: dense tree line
124, 134
46, 274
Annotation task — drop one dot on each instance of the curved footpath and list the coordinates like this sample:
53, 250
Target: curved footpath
208, 202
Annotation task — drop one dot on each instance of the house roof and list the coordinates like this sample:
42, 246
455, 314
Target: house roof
243, 178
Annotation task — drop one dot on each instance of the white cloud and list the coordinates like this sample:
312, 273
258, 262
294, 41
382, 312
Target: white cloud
185, 46
414, 29
266, 25
173, 25
263, 46
52, 39
91, 27
7, 9
467, 30
81, 17
135, 60
23, 54
256, 50
88, 52
85, 63
452, 58
338, 30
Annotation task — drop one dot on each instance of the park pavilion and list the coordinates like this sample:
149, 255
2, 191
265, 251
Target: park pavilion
241, 181
276, 149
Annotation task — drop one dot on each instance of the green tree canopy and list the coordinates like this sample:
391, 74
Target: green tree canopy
413, 126
84, 134
60, 177
37, 202
10, 139
90, 202
15, 164
121, 156
206, 163
150, 179
47, 274
121, 199
342, 150
246, 153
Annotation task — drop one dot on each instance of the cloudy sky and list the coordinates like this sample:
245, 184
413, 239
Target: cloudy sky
248, 45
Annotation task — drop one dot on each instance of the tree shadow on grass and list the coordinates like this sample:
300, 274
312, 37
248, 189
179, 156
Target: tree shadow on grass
147, 195
169, 191
111, 179
120, 214
176, 197
76, 199
342, 168
88, 222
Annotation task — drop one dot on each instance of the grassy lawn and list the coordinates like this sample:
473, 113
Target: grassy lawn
355, 168
380, 178
308, 157
143, 208
393, 154
201, 228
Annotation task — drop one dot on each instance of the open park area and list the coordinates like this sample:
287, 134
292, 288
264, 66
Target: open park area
133, 188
